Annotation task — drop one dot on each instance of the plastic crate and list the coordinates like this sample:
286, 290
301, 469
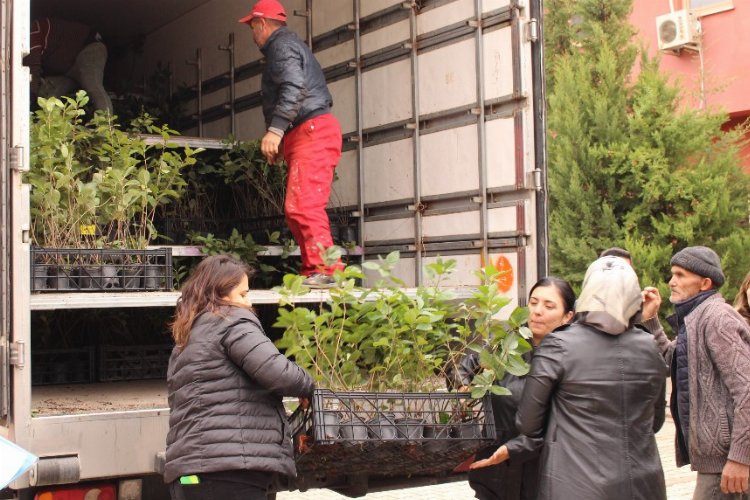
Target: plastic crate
133, 362
62, 366
97, 270
390, 434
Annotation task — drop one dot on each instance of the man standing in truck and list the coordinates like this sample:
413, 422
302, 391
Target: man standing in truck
297, 110
67, 54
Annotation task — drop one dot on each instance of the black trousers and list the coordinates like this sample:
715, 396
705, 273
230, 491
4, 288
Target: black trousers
230, 485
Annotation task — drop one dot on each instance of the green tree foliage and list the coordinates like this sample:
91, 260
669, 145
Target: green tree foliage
627, 165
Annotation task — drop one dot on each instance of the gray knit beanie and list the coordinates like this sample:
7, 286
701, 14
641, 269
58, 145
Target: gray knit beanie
702, 261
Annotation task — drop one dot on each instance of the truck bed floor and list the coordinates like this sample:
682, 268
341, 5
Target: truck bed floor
96, 398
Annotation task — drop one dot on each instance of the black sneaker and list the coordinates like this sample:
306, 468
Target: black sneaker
319, 280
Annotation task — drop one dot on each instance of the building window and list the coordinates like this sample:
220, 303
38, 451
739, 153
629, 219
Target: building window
705, 7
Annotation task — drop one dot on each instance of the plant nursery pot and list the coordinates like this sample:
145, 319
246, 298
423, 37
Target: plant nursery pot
90, 277
60, 279
437, 431
152, 277
330, 426
41, 277
383, 427
131, 276
470, 429
354, 430
348, 233
410, 428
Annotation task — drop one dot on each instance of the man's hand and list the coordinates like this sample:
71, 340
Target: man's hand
304, 403
651, 302
269, 146
734, 477
500, 456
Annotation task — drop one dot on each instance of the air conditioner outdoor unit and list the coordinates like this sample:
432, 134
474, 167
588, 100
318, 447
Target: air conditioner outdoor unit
675, 30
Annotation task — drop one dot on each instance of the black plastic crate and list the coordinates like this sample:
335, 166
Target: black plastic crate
62, 366
133, 362
97, 270
390, 434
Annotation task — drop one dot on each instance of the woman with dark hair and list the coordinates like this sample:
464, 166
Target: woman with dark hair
742, 300
595, 394
511, 471
228, 433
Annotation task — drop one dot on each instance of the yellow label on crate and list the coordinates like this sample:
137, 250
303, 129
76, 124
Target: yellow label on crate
88, 230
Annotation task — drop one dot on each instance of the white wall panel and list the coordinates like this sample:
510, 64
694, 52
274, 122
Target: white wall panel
371, 6
336, 54
501, 219
343, 92
451, 13
389, 171
396, 229
498, 61
404, 270
464, 274
344, 189
447, 77
450, 224
250, 124
450, 161
386, 94
386, 36
330, 14
217, 128
490, 5
501, 170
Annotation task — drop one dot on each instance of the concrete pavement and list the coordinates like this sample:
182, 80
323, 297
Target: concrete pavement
680, 482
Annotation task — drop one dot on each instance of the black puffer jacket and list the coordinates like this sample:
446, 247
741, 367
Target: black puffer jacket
293, 86
225, 389
597, 398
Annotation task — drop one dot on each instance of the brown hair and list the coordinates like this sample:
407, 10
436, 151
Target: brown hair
741, 301
204, 291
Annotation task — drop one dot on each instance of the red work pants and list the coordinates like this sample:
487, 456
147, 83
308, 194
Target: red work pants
312, 150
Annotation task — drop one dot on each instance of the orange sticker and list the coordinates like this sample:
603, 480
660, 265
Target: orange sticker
505, 278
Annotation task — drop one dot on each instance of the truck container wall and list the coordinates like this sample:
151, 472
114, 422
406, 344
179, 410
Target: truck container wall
443, 156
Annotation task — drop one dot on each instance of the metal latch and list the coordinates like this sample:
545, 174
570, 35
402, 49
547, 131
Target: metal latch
532, 30
18, 354
16, 159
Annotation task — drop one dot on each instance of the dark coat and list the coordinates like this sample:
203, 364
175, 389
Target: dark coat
225, 399
598, 400
293, 86
516, 478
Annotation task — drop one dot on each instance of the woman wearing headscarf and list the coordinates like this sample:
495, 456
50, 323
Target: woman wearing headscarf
595, 393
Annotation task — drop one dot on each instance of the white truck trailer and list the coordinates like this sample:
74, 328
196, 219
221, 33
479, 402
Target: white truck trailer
442, 107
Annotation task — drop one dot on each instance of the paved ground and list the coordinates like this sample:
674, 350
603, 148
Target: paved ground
680, 482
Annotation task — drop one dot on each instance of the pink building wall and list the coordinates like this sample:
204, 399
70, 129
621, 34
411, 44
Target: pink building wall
726, 58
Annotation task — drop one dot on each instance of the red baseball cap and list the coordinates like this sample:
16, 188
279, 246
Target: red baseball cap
268, 9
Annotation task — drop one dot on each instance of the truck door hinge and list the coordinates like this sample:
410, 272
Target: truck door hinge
18, 354
15, 155
532, 30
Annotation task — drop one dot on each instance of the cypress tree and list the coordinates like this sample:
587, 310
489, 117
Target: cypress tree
627, 165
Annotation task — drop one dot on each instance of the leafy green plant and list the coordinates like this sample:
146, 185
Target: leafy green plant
94, 174
500, 344
388, 338
63, 196
244, 248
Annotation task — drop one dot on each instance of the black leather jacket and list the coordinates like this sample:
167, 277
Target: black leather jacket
517, 478
597, 399
293, 86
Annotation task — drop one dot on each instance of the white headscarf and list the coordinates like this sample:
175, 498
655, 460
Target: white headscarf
610, 297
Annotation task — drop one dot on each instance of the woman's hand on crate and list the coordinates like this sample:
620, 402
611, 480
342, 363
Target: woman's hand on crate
500, 456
